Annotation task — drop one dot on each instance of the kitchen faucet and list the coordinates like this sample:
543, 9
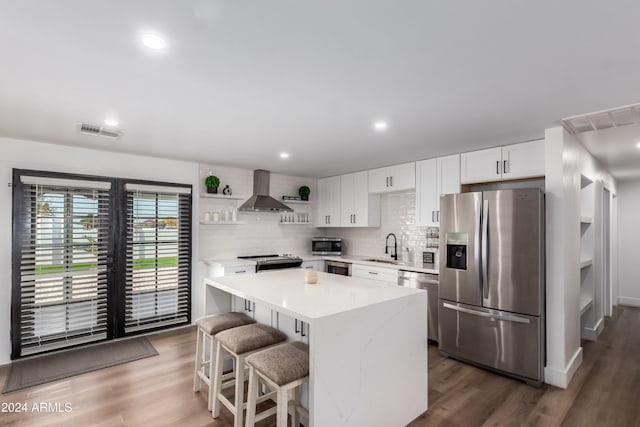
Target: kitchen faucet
395, 246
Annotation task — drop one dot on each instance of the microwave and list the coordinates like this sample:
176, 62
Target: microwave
326, 246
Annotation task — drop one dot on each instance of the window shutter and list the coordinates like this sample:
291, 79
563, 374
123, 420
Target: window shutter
63, 241
158, 256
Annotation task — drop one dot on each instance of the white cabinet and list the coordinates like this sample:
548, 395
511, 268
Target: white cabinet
313, 265
387, 275
328, 202
524, 160
359, 208
294, 329
393, 178
435, 177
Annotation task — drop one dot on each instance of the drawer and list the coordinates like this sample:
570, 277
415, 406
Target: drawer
382, 274
246, 269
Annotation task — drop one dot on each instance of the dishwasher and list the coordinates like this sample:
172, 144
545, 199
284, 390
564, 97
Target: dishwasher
430, 283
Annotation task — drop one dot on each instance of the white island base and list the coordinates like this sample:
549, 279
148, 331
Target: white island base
367, 343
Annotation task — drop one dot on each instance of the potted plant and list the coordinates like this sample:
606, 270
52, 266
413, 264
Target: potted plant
304, 192
212, 183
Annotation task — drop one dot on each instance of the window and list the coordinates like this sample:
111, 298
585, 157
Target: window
158, 256
96, 258
63, 237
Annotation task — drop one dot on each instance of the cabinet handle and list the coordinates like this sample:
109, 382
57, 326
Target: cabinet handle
354, 218
240, 271
390, 181
438, 216
497, 167
302, 329
387, 178
433, 216
504, 166
373, 272
297, 329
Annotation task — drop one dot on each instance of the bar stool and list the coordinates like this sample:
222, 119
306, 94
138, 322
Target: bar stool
239, 343
208, 327
281, 368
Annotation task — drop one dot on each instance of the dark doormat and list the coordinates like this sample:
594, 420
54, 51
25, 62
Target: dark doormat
52, 367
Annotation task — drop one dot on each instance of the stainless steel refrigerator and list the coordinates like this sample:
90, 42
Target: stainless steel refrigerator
491, 305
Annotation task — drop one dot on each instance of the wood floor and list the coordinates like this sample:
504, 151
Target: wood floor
158, 391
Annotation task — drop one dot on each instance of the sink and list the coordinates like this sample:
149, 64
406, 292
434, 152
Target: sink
385, 261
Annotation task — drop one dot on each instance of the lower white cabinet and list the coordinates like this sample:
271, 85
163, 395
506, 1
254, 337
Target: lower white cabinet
313, 265
294, 329
387, 275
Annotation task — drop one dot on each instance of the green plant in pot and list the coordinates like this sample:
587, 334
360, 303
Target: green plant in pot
304, 192
212, 183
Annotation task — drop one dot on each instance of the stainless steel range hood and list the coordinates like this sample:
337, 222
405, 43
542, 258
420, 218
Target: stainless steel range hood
261, 201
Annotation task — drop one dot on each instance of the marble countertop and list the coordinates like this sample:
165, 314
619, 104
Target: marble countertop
286, 291
355, 259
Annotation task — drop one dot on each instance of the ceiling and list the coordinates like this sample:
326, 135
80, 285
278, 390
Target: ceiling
242, 81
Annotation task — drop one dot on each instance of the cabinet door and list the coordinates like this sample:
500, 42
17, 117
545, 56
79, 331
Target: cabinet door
328, 202
294, 329
361, 199
447, 179
387, 275
523, 160
261, 314
392, 178
427, 197
481, 166
347, 202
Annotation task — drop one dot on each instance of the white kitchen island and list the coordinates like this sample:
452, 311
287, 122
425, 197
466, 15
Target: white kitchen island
367, 343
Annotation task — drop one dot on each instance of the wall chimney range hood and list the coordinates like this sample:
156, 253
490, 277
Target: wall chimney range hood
261, 201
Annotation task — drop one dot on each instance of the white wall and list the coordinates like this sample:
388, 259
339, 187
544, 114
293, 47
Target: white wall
628, 238
566, 159
49, 157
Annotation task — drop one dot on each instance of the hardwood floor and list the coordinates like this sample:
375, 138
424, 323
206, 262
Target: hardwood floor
158, 391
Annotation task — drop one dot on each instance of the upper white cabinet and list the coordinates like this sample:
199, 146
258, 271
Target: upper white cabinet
524, 160
393, 178
328, 202
435, 177
359, 208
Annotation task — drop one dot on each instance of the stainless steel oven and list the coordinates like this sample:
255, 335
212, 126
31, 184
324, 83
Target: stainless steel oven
336, 267
326, 246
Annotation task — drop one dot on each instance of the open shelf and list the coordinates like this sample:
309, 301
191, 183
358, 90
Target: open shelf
585, 303
585, 263
296, 202
222, 196
586, 220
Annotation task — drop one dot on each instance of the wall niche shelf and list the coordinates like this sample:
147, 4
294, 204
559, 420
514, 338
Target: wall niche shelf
296, 202
221, 196
586, 220
586, 263
585, 303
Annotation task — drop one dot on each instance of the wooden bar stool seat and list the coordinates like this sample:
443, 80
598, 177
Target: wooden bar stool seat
239, 343
208, 327
281, 368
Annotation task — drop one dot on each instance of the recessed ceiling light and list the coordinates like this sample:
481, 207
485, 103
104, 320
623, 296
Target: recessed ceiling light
111, 122
380, 125
153, 41
284, 155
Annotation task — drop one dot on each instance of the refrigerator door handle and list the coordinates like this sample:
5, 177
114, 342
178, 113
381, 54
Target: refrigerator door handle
485, 252
496, 316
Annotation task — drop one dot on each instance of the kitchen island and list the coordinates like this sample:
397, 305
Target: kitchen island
367, 343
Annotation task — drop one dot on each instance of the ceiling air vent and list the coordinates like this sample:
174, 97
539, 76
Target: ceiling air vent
100, 131
603, 119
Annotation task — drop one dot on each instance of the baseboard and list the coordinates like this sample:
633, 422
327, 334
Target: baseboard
634, 302
591, 334
562, 378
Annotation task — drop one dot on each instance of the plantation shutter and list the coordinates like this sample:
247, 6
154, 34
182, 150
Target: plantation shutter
158, 256
61, 239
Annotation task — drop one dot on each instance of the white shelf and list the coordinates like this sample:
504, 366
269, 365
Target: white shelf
221, 222
296, 202
221, 196
585, 263
585, 303
586, 220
